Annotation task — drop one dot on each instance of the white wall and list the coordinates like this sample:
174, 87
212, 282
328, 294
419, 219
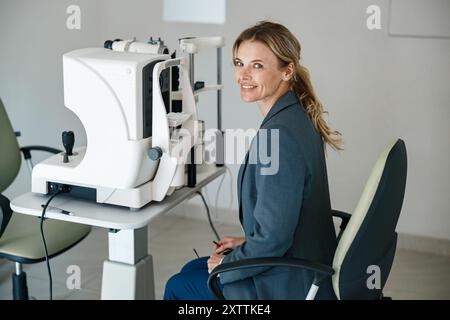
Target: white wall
34, 38
375, 87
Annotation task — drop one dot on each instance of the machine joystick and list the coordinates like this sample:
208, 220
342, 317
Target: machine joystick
68, 139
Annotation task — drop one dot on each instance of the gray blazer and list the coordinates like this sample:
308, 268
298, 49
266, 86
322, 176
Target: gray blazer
286, 214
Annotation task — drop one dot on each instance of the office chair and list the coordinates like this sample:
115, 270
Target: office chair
20, 238
367, 239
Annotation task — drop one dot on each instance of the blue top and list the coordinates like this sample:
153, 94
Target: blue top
284, 207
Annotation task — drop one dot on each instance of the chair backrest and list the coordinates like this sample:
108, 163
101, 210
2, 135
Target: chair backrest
10, 157
367, 247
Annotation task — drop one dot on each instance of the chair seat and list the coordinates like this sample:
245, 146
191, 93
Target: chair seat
22, 242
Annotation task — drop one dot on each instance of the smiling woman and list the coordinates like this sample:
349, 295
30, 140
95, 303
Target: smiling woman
261, 80
284, 213
267, 64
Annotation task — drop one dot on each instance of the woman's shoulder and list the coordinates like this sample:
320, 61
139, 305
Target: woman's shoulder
295, 128
293, 119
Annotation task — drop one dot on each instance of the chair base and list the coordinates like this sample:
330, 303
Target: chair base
20, 289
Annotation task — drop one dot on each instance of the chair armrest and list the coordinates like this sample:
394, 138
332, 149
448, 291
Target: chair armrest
341, 214
321, 271
344, 216
5, 213
27, 150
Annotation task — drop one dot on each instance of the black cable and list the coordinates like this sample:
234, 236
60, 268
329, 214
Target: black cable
44, 242
209, 215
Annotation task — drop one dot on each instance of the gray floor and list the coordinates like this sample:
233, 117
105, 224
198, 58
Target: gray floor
171, 240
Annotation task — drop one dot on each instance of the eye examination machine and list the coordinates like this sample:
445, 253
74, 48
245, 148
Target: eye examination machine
138, 106
146, 152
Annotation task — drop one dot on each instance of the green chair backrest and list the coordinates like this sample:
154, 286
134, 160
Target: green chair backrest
9, 151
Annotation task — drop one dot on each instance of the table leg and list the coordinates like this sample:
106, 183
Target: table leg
128, 272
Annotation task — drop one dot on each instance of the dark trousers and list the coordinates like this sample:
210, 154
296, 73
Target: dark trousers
190, 283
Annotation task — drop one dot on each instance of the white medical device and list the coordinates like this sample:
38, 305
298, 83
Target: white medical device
137, 149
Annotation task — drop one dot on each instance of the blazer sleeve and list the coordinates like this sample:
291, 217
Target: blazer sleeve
280, 186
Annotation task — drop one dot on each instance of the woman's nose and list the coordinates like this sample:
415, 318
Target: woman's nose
245, 74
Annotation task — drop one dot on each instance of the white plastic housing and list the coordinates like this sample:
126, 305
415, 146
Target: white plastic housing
104, 89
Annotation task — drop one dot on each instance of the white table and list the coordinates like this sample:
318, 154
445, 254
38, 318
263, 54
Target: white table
128, 272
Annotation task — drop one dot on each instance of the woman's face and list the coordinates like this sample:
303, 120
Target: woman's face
258, 73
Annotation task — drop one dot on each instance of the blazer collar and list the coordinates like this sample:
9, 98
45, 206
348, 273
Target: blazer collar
286, 100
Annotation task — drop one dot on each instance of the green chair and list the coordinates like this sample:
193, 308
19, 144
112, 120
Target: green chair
20, 238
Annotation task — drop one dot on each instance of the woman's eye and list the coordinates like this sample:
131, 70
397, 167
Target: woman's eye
238, 63
258, 66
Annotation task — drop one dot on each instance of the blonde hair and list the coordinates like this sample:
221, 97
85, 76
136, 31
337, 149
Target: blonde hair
287, 49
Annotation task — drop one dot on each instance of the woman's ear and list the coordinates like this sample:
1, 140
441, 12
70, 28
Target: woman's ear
288, 73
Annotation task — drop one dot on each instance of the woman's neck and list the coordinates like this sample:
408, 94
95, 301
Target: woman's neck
267, 103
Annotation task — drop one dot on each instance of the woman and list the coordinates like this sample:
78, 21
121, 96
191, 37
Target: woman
286, 213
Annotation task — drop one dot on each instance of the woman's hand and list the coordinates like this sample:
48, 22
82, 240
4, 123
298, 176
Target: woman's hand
228, 243
214, 260
224, 243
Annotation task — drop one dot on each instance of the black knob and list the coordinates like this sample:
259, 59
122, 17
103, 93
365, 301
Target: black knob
108, 44
155, 153
68, 139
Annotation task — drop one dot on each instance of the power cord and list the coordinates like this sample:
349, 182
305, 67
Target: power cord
216, 203
61, 189
209, 215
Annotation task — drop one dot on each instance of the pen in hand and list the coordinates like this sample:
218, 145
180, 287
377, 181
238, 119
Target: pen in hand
225, 251
195, 251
